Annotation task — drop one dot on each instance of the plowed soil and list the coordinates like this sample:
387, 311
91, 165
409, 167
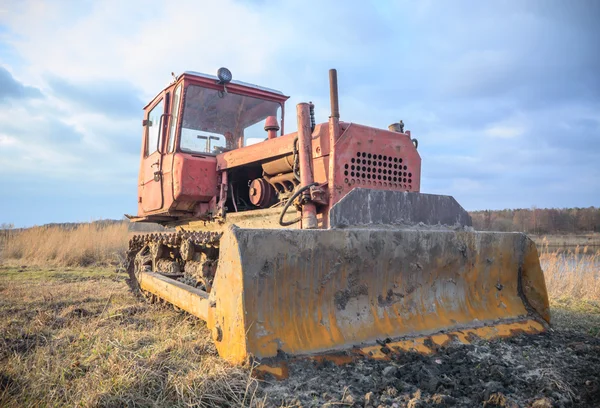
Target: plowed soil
560, 368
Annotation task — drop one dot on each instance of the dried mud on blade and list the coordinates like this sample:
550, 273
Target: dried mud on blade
309, 292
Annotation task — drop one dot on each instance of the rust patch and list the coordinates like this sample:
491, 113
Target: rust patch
395, 297
354, 290
266, 270
391, 298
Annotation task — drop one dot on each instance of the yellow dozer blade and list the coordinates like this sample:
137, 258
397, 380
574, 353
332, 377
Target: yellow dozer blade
389, 275
366, 290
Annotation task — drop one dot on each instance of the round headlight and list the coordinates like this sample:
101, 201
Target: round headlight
224, 75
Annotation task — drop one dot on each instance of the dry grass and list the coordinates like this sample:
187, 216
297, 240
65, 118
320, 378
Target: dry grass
573, 284
79, 338
82, 245
557, 241
572, 274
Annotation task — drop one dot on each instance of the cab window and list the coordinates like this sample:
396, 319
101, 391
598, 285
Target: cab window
153, 134
214, 121
174, 117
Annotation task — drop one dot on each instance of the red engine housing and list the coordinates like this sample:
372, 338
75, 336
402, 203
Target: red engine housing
177, 187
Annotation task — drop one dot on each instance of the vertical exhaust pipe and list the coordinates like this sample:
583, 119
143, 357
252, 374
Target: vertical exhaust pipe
334, 119
334, 134
333, 94
309, 210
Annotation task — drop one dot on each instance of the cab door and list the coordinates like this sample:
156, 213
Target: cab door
152, 191
171, 124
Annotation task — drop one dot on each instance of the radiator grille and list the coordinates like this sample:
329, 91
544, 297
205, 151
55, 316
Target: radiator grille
369, 169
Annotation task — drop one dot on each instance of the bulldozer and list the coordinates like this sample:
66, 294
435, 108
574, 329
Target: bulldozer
315, 242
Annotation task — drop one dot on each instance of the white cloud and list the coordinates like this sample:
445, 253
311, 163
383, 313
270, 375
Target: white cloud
7, 141
144, 41
138, 42
472, 92
505, 132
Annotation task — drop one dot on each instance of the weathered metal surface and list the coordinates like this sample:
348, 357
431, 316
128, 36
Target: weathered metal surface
271, 127
372, 285
314, 291
261, 193
382, 290
261, 218
213, 79
194, 178
374, 158
190, 257
309, 209
182, 184
365, 207
429, 344
284, 164
361, 157
150, 189
283, 182
341, 157
192, 300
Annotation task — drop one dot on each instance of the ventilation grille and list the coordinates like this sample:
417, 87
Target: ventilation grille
378, 170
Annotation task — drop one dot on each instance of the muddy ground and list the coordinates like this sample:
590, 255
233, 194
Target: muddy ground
557, 369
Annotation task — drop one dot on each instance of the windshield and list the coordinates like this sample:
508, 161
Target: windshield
213, 121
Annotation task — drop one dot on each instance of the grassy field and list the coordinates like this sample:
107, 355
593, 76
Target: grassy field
78, 337
569, 272
556, 241
572, 274
73, 336
80, 245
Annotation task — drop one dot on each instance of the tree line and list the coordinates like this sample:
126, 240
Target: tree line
530, 220
539, 220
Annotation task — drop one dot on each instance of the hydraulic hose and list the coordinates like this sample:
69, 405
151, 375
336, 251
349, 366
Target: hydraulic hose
295, 168
289, 202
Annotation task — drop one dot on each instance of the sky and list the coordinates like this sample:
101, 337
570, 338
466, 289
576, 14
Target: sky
503, 96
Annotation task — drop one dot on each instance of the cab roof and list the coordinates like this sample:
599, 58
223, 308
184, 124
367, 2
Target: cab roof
206, 78
246, 84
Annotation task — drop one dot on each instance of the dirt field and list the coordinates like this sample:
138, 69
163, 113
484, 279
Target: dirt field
79, 338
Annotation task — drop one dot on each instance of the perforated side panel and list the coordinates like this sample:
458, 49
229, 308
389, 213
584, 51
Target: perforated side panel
368, 169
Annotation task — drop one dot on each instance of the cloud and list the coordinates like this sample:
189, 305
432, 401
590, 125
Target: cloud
504, 132
111, 98
503, 98
41, 142
40, 131
11, 89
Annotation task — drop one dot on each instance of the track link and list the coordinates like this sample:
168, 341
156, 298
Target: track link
189, 257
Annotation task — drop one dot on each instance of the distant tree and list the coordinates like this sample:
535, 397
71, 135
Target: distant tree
539, 220
487, 219
503, 224
521, 220
6, 231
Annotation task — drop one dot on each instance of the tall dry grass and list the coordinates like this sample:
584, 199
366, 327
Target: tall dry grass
70, 340
573, 273
82, 245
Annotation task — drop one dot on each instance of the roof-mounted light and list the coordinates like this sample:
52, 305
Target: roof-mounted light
224, 75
